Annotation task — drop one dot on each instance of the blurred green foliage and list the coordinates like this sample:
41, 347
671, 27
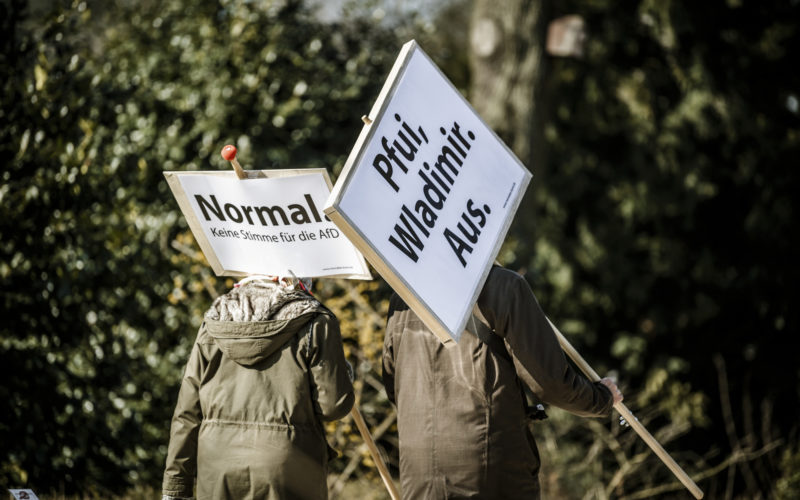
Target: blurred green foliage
658, 232
102, 286
663, 232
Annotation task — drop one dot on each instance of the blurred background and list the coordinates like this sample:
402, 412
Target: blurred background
658, 231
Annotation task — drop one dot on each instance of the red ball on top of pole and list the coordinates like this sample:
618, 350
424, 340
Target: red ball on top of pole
229, 153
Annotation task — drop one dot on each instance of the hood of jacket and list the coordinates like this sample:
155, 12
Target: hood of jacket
251, 322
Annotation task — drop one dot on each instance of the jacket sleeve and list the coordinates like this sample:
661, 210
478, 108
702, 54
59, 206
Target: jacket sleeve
388, 349
181, 466
512, 309
332, 390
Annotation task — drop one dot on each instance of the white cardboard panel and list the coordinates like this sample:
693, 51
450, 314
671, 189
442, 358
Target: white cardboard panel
270, 223
428, 193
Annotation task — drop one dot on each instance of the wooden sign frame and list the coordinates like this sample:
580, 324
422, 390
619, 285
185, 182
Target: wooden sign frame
395, 279
196, 227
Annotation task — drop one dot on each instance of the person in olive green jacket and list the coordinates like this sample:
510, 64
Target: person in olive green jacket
461, 411
266, 369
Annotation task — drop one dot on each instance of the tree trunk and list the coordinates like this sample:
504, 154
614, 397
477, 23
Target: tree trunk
507, 63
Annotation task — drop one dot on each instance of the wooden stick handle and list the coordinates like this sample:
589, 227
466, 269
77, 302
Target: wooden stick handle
376, 455
630, 418
229, 153
237, 167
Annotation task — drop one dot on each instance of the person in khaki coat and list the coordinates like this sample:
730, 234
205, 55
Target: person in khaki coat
266, 369
461, 411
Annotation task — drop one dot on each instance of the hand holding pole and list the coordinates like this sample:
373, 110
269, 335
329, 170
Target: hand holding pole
630, 418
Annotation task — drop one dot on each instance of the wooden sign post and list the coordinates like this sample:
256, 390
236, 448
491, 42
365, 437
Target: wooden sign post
375, 453
630, 418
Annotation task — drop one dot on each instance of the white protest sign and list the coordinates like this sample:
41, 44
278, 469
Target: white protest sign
24, 494
270, 223
428, 193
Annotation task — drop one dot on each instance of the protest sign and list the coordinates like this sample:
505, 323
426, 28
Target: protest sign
428, 193
270, 223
